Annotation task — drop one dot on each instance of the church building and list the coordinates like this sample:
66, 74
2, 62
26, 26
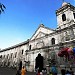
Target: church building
45, 42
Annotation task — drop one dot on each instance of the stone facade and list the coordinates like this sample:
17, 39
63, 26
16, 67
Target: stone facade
45, 41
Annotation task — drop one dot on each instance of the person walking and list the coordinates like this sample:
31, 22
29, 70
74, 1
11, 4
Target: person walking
63, 71
18, 72
68, 72
54, 70
23, 71
71, 71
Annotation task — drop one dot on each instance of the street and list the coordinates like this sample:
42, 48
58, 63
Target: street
11, 71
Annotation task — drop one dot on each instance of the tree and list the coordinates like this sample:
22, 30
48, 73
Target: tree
2, 7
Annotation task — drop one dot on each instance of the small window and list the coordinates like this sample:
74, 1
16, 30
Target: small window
4, 56
74, 15
30, 47
8, 56
22, 51
53, 41
15, 54
64, 17
11, 55
0, 56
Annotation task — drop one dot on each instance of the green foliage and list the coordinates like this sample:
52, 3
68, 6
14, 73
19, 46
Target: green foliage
2, 7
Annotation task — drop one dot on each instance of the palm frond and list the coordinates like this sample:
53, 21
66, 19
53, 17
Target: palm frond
0, 11
3, 6
0, 6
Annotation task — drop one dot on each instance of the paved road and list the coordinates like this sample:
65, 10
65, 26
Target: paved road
11, 71
7, 71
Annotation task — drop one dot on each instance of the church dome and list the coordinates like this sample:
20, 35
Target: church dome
64, 4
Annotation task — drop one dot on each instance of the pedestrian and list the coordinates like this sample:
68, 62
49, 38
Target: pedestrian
71, 71
23, 71
50, 73
41, 73
54, 70
63, 71
38, 72
44, 72
68, 72
18, 72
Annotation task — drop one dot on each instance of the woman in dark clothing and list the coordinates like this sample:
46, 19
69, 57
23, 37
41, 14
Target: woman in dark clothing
71, 71
18, 72
63, 71
68, 72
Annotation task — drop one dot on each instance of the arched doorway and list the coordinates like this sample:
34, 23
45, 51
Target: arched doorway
39, 62
20, 65
53, 41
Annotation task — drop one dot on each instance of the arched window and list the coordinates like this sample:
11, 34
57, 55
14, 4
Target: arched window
11, 55
0, 56
74, 15
4, 56
53, 41
30, 47
15, 54
8, 56
22, 51
64, 17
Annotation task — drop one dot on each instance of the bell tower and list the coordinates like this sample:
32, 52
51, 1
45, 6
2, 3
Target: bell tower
65, 15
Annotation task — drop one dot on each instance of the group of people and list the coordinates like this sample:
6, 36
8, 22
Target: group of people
53, 71
63, 71
21, 71
67, 72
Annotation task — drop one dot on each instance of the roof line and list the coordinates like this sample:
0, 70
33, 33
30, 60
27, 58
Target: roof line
20, 44
41, 25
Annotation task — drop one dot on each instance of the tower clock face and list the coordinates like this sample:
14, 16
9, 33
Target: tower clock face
63, 17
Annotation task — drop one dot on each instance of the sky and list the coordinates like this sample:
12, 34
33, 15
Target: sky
22, 17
